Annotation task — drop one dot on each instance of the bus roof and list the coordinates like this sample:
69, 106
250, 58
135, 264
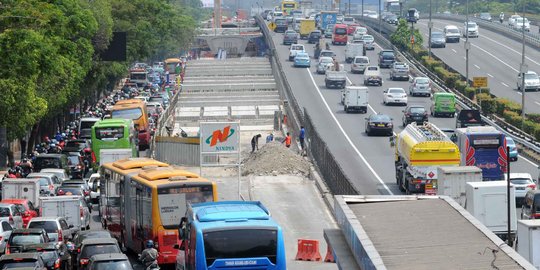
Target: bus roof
443, 94
136, 163
129, 101
228, 211
113, 122
172, 60
481, 129
122, 106
166, 173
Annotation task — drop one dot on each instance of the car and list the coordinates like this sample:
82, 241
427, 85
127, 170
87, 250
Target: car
60, 173
513, 155
532, 81
290, 37
80, 236
348, 20
295, 48
512, 19
48, 182
530, 209
5, 232
394, 95
54, 255
314, 36
95, 246
351, 28
470, 29
359, 64
413, 15
26, 207
359, 32
327, 53
399, 70
109, 261
75, 145
372, 76
328, 30
323, 62
420, 86
379, 123
486, 16
28, 260
386, 58
414, 113
84, 185
12, 214
368, 41
522, 183
438, 40
94, 183
76, 165
56, 161
21, 237
452, 33
302, 60
57, 228
521, 22
392, 19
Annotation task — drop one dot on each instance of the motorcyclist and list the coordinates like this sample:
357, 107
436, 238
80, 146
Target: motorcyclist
501, 17
149, 256
12, 173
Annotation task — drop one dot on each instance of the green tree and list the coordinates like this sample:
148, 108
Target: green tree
402, 36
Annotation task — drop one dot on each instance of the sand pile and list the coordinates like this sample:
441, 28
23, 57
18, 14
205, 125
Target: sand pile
275, 159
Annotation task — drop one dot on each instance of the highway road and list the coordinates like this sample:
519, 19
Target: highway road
492, 55
368, 161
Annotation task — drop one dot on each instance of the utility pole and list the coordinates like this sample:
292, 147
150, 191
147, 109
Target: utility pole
430, 26
349, 7
379, 15
467, 44
524, 69
363, 20
508, 216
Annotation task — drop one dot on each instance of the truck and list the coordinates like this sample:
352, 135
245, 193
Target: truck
23, 188
335, 78
306, 26
452, 180
326, 18
138, 76
528, 241
355, 98
112, 155
67, 207
352, 50
419, 150
487, 202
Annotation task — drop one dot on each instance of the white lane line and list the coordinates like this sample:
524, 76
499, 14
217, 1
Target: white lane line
505, 84
490, 75
477, 66
494, 57
519, 93
464, 57
454, 50
534, 164
347, 136
519, 53
537, 103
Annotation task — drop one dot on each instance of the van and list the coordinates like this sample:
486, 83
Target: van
443, 104
55, 161
452, 33
413, 15
85, 127
339, 34
531, 206
135, 110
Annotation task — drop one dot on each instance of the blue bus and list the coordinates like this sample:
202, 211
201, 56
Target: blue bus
230, 235
485, 148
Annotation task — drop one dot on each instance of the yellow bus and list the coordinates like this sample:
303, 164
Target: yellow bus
171, 63
151, 202
288, 6
135, 109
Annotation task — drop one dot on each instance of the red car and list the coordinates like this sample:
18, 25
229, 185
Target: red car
351, 28
28, 212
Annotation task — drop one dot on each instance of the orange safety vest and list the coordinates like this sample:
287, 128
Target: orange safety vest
288, 140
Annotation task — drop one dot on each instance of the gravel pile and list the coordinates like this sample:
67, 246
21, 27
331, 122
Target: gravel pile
275, 159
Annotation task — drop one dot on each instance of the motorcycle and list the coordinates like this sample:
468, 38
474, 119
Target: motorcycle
153, 266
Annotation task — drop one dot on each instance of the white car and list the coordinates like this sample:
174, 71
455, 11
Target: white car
359, 64
94, 183
359, 32
520, 22
5, 233
295, 48
452, 33
470, 29
512, 19
368, 40
532, 81
394, 96
522, 182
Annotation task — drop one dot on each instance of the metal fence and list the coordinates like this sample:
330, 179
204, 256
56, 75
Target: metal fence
173, 150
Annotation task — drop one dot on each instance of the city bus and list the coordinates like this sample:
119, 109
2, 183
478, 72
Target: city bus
134, 109
288, 6
230, 235
114, 134
146, 202
171, 63
485, 148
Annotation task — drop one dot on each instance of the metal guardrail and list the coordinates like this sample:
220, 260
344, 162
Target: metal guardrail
518, 135
228, 31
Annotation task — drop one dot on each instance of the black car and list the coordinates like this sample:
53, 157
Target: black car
75, 146
109, 261
392, 19
386, 58
76, 165
29, 260
290, 37
54, 255
82, 235
467, 118
314, 36
416, 114
55, 161
379, 123
91, 247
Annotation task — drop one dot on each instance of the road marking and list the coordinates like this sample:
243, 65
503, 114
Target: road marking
464, 57
505, 84
511, 49
495, 57
537, 102
519, 93
490, 75
454, 50
347, 136
534, 164
477, 66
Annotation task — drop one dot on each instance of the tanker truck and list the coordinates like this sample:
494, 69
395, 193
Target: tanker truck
419, 151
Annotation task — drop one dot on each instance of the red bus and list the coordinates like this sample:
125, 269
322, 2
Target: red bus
339, 34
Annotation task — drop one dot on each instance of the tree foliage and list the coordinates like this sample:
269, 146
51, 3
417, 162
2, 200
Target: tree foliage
49, 50
402, 36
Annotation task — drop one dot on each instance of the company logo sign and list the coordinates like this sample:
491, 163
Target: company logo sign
219, 137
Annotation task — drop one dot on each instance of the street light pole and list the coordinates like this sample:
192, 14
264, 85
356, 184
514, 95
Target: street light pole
363, 20
379, 15
467, 44
430, 25
523, 69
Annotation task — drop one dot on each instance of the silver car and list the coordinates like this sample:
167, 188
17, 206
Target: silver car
368, 42
10, 213
323, 62
5, 233
48, 182
420, 86
60, 173
532, 81
522, 182
53, 226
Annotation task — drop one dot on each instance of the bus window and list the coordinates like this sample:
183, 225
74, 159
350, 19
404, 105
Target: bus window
172, 202
133, 114
110, 133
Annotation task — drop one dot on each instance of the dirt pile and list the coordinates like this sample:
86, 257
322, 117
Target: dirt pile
275, 159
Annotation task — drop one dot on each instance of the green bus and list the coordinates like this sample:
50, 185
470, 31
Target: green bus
114, 139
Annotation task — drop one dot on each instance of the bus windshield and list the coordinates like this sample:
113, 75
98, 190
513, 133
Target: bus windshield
134, 113
340, 31
240, 243
172, 202
137, 76
110, 133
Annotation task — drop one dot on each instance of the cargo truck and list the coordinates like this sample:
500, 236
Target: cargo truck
487, 202
453, 180
67, 207
355, 98
419, 150
306, 26
326, 18
528, 241
23, 188
352, 50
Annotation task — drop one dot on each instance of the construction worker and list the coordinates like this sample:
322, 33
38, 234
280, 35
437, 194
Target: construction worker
287, 140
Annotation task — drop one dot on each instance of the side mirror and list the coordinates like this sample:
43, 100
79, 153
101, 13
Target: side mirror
70, 226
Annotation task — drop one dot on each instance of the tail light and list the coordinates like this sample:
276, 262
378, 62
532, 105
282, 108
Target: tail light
11, 221
7, 249
84, 261
79, 250
81, 211
389, 125
86, 193
407, 114
57, 264
60, 236
60, 192
532, 186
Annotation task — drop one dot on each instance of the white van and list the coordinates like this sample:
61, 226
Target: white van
85, 127
452, 33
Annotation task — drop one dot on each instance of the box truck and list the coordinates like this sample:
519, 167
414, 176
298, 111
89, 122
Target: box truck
453, 180
67, 207
528, 241
23, 188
